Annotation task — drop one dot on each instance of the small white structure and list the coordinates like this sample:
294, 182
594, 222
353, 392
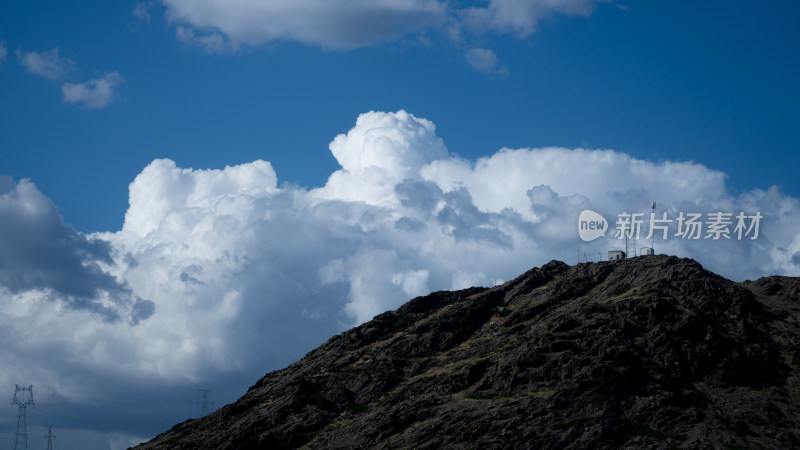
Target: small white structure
647, 251
614, 255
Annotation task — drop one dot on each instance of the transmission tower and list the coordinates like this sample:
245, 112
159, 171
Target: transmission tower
205, 404
21, 439
48, 438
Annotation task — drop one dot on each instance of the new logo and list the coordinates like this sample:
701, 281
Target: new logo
591, 225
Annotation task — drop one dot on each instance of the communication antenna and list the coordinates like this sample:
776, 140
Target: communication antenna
21, 439
48, 438
652, 235
205, 404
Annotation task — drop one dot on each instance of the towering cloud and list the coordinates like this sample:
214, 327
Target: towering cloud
380, 152
220, 272
219, 251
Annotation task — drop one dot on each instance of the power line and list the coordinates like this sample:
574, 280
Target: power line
21, 438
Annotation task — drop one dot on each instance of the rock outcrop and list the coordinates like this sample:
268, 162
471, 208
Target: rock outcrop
648, 352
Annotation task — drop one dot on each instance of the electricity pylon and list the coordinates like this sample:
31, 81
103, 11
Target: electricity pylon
48, 438
205, 404
21, 439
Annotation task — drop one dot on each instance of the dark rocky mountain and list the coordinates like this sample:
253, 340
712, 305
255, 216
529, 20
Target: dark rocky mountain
648, 352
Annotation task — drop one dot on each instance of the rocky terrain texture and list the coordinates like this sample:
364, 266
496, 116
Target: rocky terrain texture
649, 352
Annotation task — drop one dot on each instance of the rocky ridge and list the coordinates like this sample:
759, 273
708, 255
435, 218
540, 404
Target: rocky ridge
648, 352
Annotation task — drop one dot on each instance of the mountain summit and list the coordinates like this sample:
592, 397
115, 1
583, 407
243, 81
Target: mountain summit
648, 352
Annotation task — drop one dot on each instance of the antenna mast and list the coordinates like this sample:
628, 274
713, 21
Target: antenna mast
652, 235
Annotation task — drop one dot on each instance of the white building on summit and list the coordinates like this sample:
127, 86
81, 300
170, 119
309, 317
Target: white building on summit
614, 255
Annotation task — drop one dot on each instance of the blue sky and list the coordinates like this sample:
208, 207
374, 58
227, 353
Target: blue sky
696, 101
713, 82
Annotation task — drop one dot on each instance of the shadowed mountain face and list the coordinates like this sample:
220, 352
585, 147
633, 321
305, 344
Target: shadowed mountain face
649, 352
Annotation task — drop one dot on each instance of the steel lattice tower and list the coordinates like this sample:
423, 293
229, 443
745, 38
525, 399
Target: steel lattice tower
205, 404
21, 439
48, 438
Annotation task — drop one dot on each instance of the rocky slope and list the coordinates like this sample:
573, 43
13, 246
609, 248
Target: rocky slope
649, 352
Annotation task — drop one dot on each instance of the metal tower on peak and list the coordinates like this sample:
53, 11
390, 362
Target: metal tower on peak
205, 404
652, 235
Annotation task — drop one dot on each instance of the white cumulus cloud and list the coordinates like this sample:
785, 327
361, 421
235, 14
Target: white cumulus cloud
403, 215
338, 24
345, 24
93, 94
49, 65
3, 51
225, 273
230, 253
380, 151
